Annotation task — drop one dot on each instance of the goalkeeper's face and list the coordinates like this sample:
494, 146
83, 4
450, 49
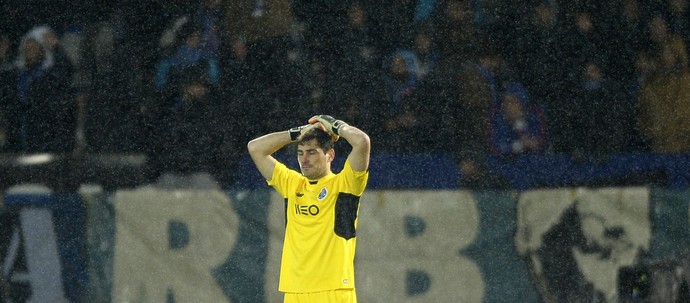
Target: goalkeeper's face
313, 161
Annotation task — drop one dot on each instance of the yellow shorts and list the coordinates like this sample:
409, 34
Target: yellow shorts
330, 296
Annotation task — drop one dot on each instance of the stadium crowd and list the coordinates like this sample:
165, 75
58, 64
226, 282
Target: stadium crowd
190, 82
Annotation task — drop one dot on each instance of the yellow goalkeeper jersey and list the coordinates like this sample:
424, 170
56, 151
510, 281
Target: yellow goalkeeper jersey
321, 217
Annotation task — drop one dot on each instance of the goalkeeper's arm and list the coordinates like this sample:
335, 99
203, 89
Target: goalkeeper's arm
361, 146
262, 148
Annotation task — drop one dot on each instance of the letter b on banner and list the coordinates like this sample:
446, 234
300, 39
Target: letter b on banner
410, 247
168, 243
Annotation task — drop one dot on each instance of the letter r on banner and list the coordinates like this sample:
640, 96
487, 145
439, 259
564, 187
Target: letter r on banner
147, 267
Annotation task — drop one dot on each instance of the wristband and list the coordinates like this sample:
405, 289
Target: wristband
337, 125
294, 133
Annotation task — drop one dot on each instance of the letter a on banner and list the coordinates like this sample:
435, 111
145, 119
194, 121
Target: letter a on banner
35, 233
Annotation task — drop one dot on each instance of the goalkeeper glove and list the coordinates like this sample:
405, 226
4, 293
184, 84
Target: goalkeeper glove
296, 131
331, 125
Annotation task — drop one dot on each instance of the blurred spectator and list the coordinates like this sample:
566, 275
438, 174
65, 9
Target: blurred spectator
358, 103
188, 55
598, 115
109, 106
477, 90
663, 100
120, 54
40, 114
584, 39
398, 113
239, 83
321, 25
359, 54
394, 21
538, 58
211, 15
354, 79
252, 91
62, 62
518, 124
275, 20
426, 49
667, 49
188, 137
479, 84
138, 24
66, 65
425, 11
458, 35
629, 70
630, 37
438, 96
678, 16
207, 15
277, 50
294, 80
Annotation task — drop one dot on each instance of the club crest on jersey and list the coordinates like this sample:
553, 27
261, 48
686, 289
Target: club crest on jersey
323, 193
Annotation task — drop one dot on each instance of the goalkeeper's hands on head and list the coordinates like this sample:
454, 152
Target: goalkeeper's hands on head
296, 131
330, 124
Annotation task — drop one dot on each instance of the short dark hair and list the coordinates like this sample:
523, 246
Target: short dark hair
323, 139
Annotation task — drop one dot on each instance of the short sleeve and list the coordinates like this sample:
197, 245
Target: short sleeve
357, 181
281, 178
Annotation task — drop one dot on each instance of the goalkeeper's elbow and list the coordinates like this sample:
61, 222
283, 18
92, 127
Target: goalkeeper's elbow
359, 138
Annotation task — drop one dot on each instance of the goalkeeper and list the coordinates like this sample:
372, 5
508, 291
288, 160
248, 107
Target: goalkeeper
321, 207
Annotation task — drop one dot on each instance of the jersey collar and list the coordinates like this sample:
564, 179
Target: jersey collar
325, 178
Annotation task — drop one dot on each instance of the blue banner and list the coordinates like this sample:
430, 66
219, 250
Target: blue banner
43, 247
